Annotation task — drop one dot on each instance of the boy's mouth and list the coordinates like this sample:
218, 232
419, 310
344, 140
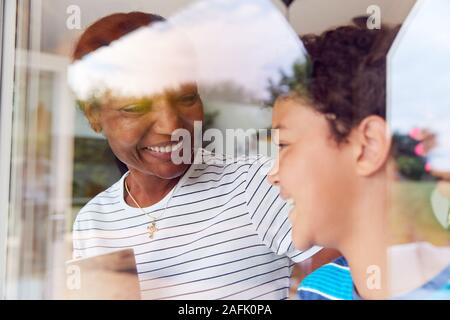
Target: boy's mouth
291, 203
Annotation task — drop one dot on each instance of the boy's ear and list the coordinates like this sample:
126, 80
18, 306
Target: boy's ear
372, 142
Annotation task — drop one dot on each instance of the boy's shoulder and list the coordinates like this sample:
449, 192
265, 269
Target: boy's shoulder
332, 281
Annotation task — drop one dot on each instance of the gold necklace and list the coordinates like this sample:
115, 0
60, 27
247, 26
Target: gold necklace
152, 229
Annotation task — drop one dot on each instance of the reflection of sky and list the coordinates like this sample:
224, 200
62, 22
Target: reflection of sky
241, 42
246, 42
420, 73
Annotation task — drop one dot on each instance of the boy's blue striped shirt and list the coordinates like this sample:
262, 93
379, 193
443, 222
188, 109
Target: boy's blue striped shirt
333, 281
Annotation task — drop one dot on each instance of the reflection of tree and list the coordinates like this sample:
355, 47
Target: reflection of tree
297, 82
94, 169
409, 164
209, 119
227, 91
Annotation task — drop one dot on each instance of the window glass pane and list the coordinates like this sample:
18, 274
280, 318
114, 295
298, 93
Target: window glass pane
58, 163
419, 117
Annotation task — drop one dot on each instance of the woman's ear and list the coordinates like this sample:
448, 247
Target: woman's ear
373, 143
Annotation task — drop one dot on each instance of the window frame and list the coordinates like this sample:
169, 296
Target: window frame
8, 10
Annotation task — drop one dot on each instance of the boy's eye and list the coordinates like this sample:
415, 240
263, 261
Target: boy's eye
188, 99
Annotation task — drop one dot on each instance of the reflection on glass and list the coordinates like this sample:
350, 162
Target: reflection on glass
231, 50
224, 46
419, 116
419, 109
137, 85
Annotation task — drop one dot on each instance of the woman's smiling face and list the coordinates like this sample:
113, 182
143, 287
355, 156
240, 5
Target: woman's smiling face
139, 130
313, 171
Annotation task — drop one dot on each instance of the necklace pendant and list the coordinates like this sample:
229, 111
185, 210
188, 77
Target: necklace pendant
152, 230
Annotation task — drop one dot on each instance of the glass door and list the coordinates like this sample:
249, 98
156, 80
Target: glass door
40, 166
7, 45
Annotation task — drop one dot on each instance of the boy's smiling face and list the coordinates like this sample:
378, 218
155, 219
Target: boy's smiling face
313, 171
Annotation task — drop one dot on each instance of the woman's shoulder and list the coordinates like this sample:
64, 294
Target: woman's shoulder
104, 201
224, 163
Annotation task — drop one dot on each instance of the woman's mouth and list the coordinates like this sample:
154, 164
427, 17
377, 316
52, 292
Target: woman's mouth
168, 148
164, 150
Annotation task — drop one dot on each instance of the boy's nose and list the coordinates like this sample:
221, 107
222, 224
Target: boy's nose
272, 176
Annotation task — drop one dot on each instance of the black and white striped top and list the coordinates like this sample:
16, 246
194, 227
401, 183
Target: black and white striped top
224, 234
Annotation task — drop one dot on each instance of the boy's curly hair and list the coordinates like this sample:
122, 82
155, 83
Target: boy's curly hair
348, 79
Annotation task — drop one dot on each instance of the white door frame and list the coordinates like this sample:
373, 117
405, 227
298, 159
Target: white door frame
62, 131
7, 54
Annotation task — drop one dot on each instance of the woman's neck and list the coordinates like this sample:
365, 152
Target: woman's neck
365, 242
147, 189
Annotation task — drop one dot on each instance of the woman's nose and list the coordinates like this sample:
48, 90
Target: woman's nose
167, 119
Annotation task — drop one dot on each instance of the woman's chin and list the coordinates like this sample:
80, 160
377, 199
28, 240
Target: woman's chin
165, 170
171, 171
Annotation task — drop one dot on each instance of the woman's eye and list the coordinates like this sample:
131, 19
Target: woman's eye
281, 146
136, 108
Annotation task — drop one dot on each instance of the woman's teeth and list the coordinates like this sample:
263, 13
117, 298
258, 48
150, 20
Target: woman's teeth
166, 149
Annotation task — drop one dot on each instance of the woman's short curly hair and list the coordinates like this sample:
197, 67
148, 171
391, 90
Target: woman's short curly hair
101, 34
348, 80
112, 27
